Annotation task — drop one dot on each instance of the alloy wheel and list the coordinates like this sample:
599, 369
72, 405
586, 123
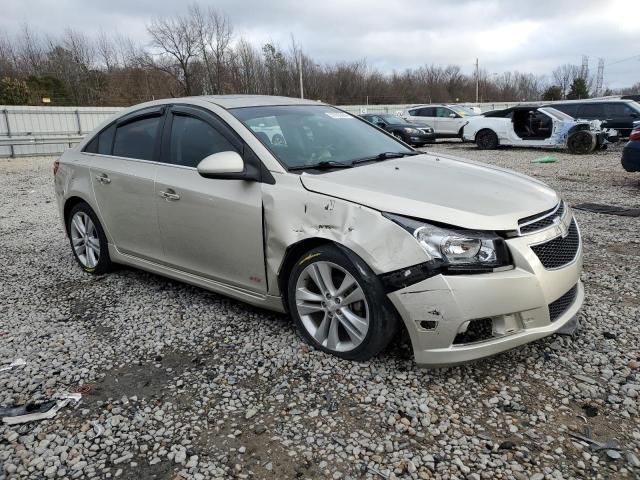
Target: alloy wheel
332, 306
84, 237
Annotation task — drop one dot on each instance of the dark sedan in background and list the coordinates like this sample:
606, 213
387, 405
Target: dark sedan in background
400, 128
617, 114
631, 152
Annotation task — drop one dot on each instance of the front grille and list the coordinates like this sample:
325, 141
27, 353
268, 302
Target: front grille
540, 220
557, 308
559, 251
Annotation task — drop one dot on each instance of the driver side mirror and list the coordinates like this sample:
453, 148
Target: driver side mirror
452, 115
222, 165
634, 115
381, 124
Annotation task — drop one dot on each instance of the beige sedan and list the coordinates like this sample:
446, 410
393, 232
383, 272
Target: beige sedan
299, 207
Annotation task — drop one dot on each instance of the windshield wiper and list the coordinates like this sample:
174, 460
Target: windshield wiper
324, 165
384, 156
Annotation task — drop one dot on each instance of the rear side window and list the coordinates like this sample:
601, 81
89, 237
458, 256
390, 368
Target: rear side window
592, 110
427, 112
570, 109
193, 139
137, 139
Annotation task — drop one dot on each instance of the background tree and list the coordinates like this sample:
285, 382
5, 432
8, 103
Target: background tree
13, 92
552, 93
579, 90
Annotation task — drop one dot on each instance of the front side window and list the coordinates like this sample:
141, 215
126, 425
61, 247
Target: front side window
316, 133
442, 112
193, 139
137, 139
619, 110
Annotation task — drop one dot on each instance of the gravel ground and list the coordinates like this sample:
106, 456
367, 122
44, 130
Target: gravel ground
190, 384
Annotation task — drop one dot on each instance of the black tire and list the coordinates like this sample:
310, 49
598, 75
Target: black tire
487, 140
582, 142
104, 263
383, 321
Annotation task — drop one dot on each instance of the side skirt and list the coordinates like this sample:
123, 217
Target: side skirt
268, 302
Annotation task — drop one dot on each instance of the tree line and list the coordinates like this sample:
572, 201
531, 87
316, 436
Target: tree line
199, 53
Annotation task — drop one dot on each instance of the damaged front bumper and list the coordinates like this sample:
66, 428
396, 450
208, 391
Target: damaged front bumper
453, 319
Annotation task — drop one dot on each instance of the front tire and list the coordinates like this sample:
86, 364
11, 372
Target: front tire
88, 241
582, 142
487, 140
339, 305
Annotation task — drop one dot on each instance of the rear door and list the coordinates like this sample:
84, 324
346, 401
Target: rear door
209, 227
422, 116
123, 182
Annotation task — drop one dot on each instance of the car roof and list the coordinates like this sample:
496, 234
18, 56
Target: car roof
239, 101
587, 100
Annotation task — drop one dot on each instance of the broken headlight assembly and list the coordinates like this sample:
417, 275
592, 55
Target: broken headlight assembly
454, 250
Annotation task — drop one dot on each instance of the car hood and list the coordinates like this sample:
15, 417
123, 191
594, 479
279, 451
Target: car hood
441, 189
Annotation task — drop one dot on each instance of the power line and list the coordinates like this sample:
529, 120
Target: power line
634, 57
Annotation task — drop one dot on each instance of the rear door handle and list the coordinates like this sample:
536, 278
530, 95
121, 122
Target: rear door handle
103, 178
170, 194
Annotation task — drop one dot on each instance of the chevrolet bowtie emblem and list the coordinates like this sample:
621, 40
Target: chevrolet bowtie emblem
561, 228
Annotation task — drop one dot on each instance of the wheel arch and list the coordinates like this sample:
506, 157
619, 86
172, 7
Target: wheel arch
485, 129
71, 202
291, 255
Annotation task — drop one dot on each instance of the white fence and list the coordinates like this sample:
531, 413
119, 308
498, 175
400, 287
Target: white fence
34, 131
31, 131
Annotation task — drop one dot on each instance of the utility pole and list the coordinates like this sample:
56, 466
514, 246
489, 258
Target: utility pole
300, 70
477, 80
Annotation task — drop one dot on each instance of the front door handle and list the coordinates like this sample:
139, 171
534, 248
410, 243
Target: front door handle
103, 178
170, 194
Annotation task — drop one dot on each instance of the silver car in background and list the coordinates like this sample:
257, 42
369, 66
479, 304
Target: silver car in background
299, 207
446, 120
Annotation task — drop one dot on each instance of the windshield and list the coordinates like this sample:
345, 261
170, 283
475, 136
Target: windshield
462, 111
393, 119
557, 114
300, 135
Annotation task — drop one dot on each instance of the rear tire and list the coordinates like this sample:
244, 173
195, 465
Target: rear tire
339, 305
88, 241
582, 142
487, 140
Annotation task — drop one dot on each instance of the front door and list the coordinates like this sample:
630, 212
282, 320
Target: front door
209, 227
447, 121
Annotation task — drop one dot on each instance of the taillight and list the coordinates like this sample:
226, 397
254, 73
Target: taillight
635, 135
56, 165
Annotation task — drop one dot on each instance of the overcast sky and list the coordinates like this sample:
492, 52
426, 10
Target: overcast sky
530, 36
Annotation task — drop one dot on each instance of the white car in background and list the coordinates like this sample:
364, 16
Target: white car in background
532, 126
447, 121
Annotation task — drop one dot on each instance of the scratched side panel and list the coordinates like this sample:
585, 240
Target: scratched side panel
292, 214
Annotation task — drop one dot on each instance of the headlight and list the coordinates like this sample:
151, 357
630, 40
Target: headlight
457, 249
412, 131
